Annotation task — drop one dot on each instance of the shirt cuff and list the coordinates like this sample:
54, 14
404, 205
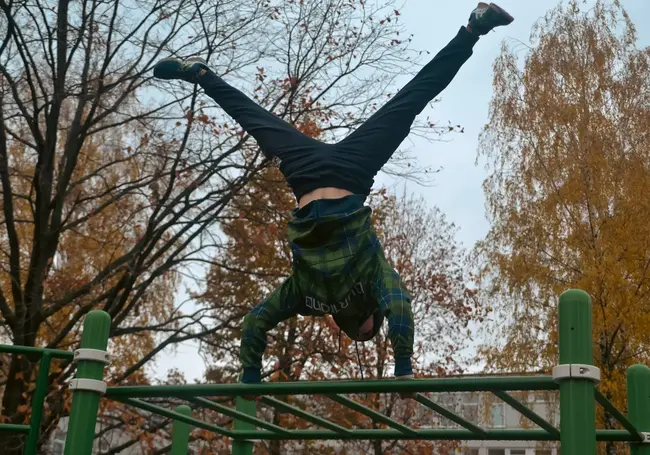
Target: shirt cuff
403, 366
251, 375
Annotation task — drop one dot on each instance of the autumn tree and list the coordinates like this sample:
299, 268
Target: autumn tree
569, 168
101, 200
114, 186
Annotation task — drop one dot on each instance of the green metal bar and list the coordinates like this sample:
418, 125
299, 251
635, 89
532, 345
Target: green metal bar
461, 384
241, 447
618, 415
38, 400
11, 427
225, 410
638, 402
181, 432
85, 403
450, 415
527, 412
577, 405
175, 415
30, 350
284, 407
426, 434
376, 416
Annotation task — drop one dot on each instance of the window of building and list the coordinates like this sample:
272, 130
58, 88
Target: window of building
541, 396
498, 415
543, 452
449, 401
470, 407
57, 447
103, 444
517, 451
496, 452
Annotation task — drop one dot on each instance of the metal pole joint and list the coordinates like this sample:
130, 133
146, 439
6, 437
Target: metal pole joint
576, 371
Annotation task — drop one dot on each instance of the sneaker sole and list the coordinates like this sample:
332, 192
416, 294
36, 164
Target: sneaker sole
191, 59
196, 60
502, 12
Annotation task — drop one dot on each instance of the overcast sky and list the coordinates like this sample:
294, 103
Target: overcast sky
457, 190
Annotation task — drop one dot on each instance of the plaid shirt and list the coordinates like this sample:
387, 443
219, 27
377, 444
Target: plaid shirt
339, 268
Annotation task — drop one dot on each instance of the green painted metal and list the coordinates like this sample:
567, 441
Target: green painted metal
225, 410
14, 428
241, 446
175, 416
29, 350
448, 384
618, 415
284, 407
577, 405
85, 403
181, 432
577, 400
450, 415
428, 434
374, 415
38, 401
528, 413
638, 399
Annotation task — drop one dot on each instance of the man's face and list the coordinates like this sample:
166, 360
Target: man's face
365, 331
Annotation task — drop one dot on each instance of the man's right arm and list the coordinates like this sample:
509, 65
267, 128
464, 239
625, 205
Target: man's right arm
282, 304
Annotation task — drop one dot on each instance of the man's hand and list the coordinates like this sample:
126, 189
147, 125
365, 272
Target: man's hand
250, 376
407, 395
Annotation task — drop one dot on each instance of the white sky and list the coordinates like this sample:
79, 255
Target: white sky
457, 190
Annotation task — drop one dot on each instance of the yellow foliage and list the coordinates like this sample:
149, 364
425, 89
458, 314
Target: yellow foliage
569, 160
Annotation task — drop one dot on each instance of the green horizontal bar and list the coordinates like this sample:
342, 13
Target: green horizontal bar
225, 410
175, 415
376, 416
17, 349
284, 407
421, 434
527, 412
14, 428
426, 434
618, 415
450, 415
464, 384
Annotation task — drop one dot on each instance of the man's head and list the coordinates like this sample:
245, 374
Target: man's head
370, 327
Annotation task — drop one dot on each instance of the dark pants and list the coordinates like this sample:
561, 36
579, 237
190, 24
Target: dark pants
351, 164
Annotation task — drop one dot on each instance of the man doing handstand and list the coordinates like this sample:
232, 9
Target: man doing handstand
339, 267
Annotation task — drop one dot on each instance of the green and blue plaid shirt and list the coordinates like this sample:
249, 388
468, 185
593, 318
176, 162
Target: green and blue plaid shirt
339, 268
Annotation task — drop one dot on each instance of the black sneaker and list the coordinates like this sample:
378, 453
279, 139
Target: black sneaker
486, 17
175, 68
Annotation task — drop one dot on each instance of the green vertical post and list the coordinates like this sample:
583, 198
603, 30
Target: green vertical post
638, 403
250, 408
85, 403
38, 400
577, 403
181, 432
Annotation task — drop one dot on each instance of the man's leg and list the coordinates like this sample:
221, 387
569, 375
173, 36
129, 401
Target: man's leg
274, 136
373, 143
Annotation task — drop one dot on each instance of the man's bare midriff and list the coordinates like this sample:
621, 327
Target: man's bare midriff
323, 193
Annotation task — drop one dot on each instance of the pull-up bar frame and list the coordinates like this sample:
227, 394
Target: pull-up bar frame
575, 377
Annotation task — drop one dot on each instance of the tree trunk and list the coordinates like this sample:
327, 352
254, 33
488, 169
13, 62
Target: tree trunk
15, 396
275, 447
377, 446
